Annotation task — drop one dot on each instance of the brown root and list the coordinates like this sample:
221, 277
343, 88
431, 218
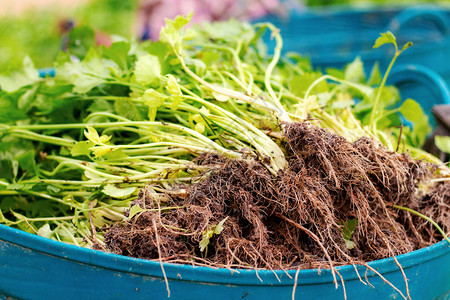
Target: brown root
294, 220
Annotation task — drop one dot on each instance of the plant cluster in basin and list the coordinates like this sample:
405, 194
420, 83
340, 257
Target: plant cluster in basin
201, 149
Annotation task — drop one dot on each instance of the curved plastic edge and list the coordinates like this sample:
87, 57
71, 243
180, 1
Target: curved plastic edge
436, 14
421, 75
210, 275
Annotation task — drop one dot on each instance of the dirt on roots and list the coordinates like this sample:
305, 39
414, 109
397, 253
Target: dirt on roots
296, 219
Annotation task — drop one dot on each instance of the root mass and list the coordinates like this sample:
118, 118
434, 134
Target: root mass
297, 219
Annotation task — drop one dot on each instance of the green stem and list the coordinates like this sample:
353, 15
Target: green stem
267, 106
424, 217
362, 88
373, 125
72, 237
46, 219
273, 62
45, 196
25, 134
106, 114
232, 51
277, 157
177, 127
66, 161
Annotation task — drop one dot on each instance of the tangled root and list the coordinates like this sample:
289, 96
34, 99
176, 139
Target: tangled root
294, 220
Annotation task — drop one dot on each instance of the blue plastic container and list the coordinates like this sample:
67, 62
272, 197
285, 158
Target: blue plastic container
33, 267
335, 37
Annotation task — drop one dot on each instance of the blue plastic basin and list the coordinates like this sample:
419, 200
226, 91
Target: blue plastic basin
33, 267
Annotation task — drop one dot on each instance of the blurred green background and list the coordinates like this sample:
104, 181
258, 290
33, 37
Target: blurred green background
36, 32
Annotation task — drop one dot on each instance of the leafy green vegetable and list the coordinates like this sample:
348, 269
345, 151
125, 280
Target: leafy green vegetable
172, 32
134, 115
17, 80
414, 113
443, 143
208, 234
134, 210
81, 39
115, 192
348, 229
385, 38
147, 69
82, 148
355, 72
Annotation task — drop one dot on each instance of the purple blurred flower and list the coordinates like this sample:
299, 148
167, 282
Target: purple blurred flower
153, 12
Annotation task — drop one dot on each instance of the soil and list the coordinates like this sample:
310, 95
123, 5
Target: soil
296, 219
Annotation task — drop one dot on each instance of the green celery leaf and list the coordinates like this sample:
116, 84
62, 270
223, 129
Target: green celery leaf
25, 101
153, 99
82, 148
92, 135
9, 110
45, 231
118, 52
375, 75
94, 64
354, 71
115, 192
299, 84
349, 228
9, 203
385, 38
338, 73
172, 85
7, 169
101, 105
171, 34
126, 108
21, 186
28, 76
443, 143
207, 234
148, 69
412, 111
134, 210
210, 57
219, 227
27, 162
205, 239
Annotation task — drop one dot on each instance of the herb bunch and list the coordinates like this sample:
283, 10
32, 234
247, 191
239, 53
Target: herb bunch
76, 149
